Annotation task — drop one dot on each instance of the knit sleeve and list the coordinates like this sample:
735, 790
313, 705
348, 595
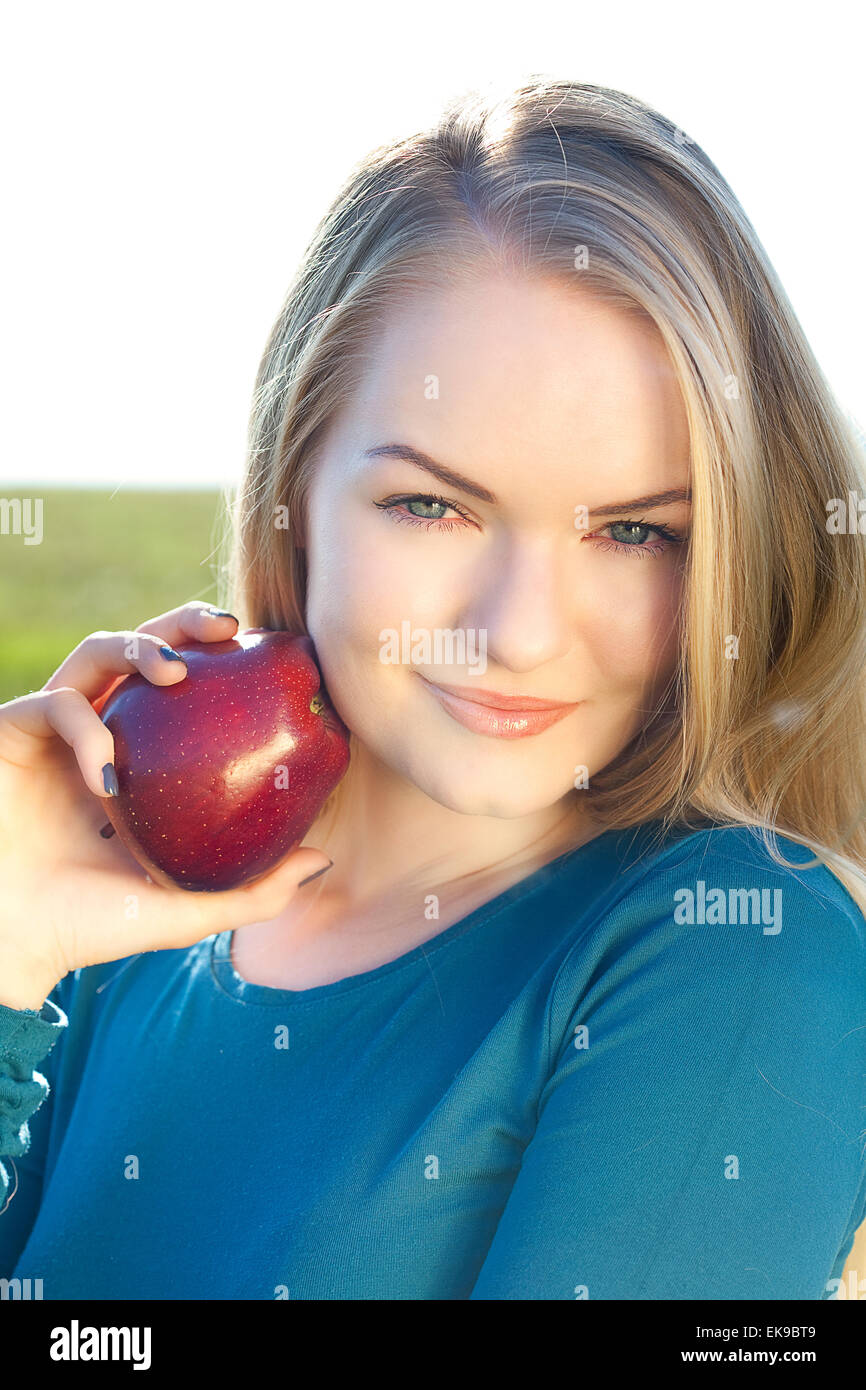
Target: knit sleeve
26, 1038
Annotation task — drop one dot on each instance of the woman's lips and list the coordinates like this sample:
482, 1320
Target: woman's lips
495, 722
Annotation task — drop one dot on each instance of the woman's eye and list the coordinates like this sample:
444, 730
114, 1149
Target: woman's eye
431, 509
633, 543
422, 509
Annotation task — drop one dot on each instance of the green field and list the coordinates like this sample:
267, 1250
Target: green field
104, 562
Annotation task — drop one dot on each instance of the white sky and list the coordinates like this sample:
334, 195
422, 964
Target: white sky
164, 165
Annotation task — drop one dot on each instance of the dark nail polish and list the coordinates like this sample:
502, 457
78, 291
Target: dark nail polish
170, 654
107, 830
220, 613
109, 779
317, 874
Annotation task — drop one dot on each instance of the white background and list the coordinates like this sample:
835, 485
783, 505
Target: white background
164, 166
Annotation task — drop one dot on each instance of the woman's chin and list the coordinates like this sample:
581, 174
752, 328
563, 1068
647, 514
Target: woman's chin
477, 797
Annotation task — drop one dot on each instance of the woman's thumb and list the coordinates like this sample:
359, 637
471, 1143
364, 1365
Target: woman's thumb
319, 863
276, 888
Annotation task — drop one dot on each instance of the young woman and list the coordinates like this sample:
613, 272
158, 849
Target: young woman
579, 1011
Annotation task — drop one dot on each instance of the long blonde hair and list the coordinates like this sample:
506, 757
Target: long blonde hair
763, 722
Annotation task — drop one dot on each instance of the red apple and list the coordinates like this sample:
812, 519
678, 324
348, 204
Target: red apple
221, 775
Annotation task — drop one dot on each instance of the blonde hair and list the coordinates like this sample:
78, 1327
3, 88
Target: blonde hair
591, 185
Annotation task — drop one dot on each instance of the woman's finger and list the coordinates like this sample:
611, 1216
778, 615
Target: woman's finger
102, 659
65, 713
103, 656
195, 620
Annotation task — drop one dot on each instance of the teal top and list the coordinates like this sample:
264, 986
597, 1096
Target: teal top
639, 1073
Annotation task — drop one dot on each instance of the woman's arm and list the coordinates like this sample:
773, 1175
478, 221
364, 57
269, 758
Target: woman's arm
706, 1136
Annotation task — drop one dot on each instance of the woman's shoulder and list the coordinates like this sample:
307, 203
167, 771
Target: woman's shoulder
720, 899
708, 940
720, 872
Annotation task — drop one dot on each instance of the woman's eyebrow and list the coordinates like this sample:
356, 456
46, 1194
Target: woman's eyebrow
454, 479
445, 475
645, 504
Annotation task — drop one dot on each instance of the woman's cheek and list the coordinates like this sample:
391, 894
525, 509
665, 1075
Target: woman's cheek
630, 624
360, 588
386, 581
350, 579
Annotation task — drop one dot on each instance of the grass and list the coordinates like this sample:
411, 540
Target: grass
104, 562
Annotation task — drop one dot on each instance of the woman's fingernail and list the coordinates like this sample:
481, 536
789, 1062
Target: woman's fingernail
109, 779
170, 654
107, 830
219, 613
317, 874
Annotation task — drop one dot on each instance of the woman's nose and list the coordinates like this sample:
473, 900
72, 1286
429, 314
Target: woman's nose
525, 606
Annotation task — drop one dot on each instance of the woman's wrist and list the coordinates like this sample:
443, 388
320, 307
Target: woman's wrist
18, 990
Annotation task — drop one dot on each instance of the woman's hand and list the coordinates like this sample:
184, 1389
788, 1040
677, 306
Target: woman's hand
69, 897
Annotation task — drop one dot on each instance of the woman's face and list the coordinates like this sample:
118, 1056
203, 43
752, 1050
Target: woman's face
553, 405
